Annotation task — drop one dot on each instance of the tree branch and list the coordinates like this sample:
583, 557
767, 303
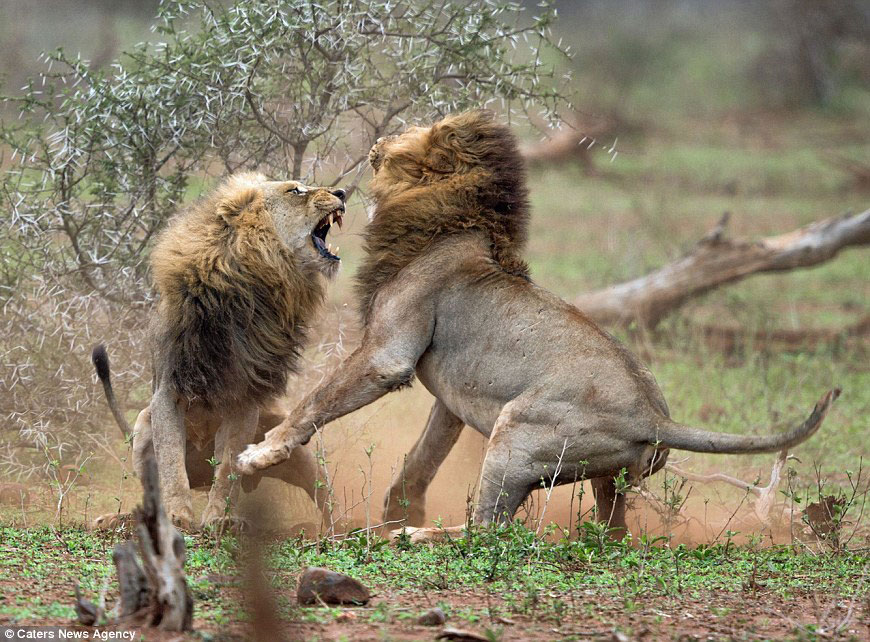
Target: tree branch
715, 261
764, 495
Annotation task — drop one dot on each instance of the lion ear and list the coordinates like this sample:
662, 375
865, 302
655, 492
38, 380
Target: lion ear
233, 204
440, 161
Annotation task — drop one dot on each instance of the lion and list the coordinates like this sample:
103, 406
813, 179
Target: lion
446, 296
239, 279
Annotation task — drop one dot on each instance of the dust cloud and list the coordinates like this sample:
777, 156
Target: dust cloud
388, 429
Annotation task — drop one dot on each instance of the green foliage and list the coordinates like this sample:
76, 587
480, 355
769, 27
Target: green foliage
102, 157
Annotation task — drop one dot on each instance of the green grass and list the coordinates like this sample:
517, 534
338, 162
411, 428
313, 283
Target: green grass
510, 559
532, 576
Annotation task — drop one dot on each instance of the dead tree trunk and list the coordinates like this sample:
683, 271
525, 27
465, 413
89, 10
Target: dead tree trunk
564, 147
153, 593
715, 261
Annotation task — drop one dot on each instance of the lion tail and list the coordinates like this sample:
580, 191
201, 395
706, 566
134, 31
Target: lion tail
100, 358
673, 435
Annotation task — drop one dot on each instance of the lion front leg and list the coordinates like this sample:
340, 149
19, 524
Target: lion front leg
360, 380
405, 501
400, 329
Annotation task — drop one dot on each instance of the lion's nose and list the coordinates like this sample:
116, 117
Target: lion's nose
340, 193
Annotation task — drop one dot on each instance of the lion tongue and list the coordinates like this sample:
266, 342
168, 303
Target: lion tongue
325, 251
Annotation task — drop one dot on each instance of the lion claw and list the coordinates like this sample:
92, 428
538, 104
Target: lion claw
231, 523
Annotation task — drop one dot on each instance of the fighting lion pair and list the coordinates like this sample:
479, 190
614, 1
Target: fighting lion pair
445, 296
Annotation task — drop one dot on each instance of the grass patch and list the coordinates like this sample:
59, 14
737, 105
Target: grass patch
547, 580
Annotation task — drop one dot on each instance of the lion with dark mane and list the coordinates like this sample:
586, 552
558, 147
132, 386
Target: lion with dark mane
239, 279
446, 295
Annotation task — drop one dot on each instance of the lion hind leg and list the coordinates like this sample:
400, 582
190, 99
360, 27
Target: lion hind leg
504, 483
506, 479
143, 443
503, 487
405, 501
143, 447
507, 476
610, 505
237, 428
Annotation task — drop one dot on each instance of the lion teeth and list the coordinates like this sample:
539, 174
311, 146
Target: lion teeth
336, 250
329, 219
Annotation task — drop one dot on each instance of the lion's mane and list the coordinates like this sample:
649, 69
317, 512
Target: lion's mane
463, 174
234, 303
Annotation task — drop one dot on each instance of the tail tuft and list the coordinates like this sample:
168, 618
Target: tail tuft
100, 358
673, 435
826, 402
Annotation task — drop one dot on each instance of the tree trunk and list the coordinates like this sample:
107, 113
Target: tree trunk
154, 593
715, 261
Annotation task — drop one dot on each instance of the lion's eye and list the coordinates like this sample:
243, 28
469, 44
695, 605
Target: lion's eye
297, 190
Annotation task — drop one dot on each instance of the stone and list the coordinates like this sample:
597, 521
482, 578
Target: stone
461, 635
320, 584
432, 617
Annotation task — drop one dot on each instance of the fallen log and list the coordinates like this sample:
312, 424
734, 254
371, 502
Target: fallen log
715, 261
728, 339
567, 145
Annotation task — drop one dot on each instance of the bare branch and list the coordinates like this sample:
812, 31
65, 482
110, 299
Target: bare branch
764, 495
715, 261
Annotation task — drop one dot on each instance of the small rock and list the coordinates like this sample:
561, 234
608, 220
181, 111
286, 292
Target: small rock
320, 584
432, 617
461, 635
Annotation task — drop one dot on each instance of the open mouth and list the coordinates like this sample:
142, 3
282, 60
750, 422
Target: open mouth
318, 236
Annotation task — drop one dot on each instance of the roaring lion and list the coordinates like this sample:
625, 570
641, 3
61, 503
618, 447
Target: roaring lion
445, 294
239, 278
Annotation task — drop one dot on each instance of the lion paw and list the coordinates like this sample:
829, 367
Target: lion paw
112, 522
181, 517
429, 535
259, 456
226, 523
